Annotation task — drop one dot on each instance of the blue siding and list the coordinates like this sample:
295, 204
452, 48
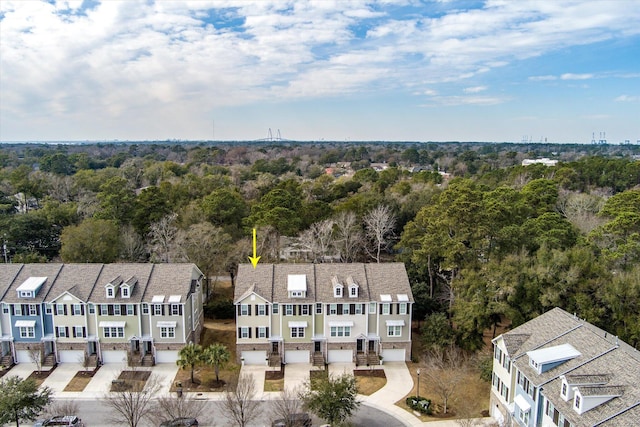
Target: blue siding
16, 331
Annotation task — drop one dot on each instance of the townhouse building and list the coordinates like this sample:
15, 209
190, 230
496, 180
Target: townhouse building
323, 313
558, 370
71, 313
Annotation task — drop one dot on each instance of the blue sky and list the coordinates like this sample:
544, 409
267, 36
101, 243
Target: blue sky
407, 70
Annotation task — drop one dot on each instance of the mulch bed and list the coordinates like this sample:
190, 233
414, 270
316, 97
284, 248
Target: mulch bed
375, 373
130, 380
274, 375
134, 375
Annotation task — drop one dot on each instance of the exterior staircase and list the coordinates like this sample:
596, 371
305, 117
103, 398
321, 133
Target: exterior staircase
373, 359
147, 360
274, 360
49, 360
318, 359
7, 361
361, 359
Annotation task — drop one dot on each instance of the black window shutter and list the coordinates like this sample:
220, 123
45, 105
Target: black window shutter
295, 307
135, 310
268, 332
82, 309
180, 309
25, 309
239, 332
65, 309
352, 308
249, 332
328, 308
266, 309
110, 309
84, 332
38, 310
257, 333
57, 333
123, 309
380, 308
162, 309
66, 331
339, 308
249, 306
11, 309
238, 309
74, 332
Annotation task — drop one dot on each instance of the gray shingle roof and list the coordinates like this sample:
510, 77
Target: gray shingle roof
8, 273
77, 279
50, 271
270, 281
112, 271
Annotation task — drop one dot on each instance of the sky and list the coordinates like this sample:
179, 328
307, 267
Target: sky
333, 70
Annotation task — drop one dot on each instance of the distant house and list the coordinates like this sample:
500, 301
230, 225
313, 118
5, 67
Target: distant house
323, 313
558, 370
544, 161
139, 313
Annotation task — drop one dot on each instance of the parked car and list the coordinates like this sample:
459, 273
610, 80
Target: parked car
295, 420
60, 420
180, 422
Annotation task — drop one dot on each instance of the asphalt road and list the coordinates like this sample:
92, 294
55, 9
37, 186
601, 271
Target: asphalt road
97, 414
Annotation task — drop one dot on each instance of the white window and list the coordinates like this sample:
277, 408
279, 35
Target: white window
27, 332
353, 291
114, 332
261, 310
333, 308
92, 309
297, 332
175, 309
33, 310
5, 308
576, 402
274, 308
62, 332
244, 309
386, 308
60, 309
167, 332
359, 308
262, 332
288, 309
109, 292
341, 331
345, 308
564, 389
402, 308
79, 331
116, 309
244, 332
145, 308
17, 309
372, 308
304, 310
130, 310
319, 308
124, 292
25, 294
77, 309
337, 291
157, 309
394, 331
524, 416
104, 310
296, 294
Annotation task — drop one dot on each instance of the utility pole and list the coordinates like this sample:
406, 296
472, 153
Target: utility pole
4, 248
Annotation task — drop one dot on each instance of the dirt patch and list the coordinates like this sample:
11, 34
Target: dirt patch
275, 375
130, 381
80, 380
369, 380
134, 375
40, 376
372, 373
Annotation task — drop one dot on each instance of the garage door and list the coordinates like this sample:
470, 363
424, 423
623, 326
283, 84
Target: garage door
22, 356
167, 356
340, 356
71, 356
111, 356
254, 357
394, 355
296, 356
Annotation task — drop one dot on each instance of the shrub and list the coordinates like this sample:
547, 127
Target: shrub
220, 309
419, 404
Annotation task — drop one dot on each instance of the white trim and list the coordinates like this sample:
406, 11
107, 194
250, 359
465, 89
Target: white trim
25, 323
342, 323
106, 324
157, 299
298, 324
385, 298
522, 403
395, 322
174, 298
166, 324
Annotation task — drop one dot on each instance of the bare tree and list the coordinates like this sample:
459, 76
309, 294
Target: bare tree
318, 239
239, 402
133, 249
287, 404
446, 370
134, 404
61, 407
379, 225
348, 236
170, 407
85, 360
162, 235
36, 357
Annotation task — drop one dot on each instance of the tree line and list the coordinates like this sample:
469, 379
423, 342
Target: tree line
486, 240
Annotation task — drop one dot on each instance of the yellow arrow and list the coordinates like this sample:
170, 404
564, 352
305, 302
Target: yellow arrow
254, 259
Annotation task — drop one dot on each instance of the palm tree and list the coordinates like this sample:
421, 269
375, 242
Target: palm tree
216, 355
190, 355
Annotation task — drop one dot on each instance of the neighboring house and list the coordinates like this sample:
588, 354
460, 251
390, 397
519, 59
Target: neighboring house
140, 313
558, 370
544, 161
323, 313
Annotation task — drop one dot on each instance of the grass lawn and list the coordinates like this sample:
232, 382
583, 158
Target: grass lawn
369, 381
274, 385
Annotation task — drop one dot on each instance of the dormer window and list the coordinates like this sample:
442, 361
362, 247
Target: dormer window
353, 287
337, 291
576, 402
110, 292
297, 285
30, 287
124, 291
548, 358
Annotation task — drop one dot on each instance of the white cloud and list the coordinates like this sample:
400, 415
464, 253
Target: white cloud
571, 76
474, 89
542, 78
627, 98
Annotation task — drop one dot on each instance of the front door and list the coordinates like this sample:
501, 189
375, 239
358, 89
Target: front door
274, 347
316, 347
48, 347
360, 345
147, 347
372, 346
91, 349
